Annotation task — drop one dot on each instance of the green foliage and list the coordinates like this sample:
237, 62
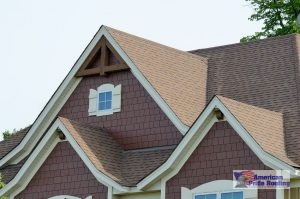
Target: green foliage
7, 134
278, 16
1, 186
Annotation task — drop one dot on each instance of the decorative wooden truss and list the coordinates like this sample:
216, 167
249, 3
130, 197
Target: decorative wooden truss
102, 60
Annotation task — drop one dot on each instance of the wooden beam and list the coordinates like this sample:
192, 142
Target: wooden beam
88, 72
104, 54
114, 68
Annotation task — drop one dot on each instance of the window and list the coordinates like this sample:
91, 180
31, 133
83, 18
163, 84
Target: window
221, 195
106, 100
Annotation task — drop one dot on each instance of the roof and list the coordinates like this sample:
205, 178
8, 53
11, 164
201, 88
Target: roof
125, 167
179, 77
259, 81
262, 73
10, 171
266, 127
8, 144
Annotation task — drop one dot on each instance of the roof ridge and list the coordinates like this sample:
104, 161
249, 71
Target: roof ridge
150, 149
246, 43
158, 44
250, 105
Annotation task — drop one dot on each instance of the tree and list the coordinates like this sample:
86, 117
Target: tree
279, 18
1, 186
7, 134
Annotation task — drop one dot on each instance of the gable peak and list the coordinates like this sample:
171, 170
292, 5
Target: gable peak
102, 60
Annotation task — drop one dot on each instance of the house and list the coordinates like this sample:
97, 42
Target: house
137, 119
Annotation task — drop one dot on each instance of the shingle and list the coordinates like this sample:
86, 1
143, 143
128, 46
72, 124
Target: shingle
262, 73
179, 77
124, 167
10, 171
8, 144
265, 126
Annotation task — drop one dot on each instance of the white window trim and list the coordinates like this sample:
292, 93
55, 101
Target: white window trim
217, 186
218, 193
68, 197
94, 100
102, 89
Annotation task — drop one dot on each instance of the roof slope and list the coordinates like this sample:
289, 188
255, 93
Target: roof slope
124, 167
179, 77
10, 171
266, 127
263, 73
8, 144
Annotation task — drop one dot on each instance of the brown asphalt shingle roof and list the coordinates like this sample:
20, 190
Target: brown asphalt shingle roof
179, 77
266, 127
263, 73
124, 167
8, 144
10, 171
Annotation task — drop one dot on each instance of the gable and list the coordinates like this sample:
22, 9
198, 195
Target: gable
140, 124
215, 111
63, 173
219, 153
48, 114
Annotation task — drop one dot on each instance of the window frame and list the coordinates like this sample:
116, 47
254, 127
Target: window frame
105, 101
103, 89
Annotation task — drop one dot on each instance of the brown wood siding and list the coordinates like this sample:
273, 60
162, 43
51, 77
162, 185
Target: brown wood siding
140, 124
63, 173
219, 153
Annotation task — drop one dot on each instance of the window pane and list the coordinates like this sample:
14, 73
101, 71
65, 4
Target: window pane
102, 106
108, 104
207, 196
232, 195
211, 196
200, 197
101, 97
238, 195
226, 196
108, 95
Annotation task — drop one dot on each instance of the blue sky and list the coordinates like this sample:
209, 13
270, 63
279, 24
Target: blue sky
41, 40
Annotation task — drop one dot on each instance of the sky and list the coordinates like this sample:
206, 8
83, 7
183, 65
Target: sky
40, 40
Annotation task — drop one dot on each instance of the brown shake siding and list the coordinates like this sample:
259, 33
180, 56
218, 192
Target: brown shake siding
219, 153
140, 124
63, 173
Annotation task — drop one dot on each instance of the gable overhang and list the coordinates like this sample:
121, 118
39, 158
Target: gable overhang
41, 153
50, 111
196, 134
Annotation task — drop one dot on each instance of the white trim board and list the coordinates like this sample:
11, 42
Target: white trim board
196, 134
68, 85
40, 154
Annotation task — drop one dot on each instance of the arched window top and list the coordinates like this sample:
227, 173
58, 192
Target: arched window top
68, 197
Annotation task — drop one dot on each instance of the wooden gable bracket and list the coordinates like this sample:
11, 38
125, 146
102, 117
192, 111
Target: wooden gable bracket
102, 60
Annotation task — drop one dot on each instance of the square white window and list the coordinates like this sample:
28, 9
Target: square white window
106, 100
